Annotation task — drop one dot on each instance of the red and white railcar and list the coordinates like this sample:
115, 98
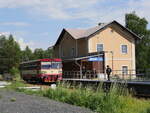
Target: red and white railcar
44, 70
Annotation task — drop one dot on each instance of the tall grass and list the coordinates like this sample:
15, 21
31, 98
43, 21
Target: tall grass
115, 99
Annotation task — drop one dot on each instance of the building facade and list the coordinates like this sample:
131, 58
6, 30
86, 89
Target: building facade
116, 42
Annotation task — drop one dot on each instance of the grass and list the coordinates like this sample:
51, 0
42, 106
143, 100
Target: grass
13, 99
15, 84
117, 100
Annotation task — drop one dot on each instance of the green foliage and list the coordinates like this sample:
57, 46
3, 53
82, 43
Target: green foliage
9, 53
13, 99
136, 24
139, 26
15, 73
27, 54
14, 85
39, 53
117, 100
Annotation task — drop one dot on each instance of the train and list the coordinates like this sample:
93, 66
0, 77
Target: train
42, 70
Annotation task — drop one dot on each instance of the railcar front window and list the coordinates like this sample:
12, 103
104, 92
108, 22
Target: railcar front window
56, 65
46, 66
53, 65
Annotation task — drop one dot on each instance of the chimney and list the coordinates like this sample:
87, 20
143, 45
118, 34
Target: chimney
101, 24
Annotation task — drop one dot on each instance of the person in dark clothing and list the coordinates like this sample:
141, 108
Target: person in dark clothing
84, 70
108, 71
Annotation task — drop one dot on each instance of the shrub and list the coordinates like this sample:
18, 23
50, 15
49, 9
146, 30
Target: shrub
15, 73
117, 100
13, 99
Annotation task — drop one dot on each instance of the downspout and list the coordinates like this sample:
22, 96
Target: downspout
80, 66
112, 53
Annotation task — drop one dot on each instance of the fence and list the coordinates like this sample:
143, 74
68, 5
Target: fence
76, 74
137, 75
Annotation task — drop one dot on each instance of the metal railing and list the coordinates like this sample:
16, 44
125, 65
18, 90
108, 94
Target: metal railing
131, 75
76, 74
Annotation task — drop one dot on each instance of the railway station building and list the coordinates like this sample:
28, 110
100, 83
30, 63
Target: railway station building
94, 48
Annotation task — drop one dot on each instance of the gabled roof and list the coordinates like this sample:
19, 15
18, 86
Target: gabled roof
83, 33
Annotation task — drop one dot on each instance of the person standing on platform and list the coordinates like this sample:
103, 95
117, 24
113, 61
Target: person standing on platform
108, 72
83, 72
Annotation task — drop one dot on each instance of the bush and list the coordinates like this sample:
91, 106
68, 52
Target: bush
117, 100
1, 77
15, 73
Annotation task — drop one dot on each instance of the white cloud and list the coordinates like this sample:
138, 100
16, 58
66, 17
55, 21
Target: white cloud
58, 9
19, 37
93, 11
23, 44
142, 7
21, 24
5, 33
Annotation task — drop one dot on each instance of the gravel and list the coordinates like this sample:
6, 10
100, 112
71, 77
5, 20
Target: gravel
16, 102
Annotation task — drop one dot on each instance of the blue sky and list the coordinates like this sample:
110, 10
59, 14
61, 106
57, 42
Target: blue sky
38, 23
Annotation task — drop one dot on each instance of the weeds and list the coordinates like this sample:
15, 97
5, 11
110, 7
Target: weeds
13, 99
113, 99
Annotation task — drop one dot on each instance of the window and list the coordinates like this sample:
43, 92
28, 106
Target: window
99, 47
124, 49
124, 70
72, 52
45, 66
62, 53
56, 65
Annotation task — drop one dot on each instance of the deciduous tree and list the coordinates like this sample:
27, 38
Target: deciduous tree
139, 26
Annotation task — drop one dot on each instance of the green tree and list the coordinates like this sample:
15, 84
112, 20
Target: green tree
27, 54
2, 56
39, 53
9, 53
49, 53
139, 26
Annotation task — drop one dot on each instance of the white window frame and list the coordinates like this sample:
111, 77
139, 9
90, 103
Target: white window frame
97, 47
124, 73
122, 48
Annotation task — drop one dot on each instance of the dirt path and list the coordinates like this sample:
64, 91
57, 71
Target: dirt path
15, 102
